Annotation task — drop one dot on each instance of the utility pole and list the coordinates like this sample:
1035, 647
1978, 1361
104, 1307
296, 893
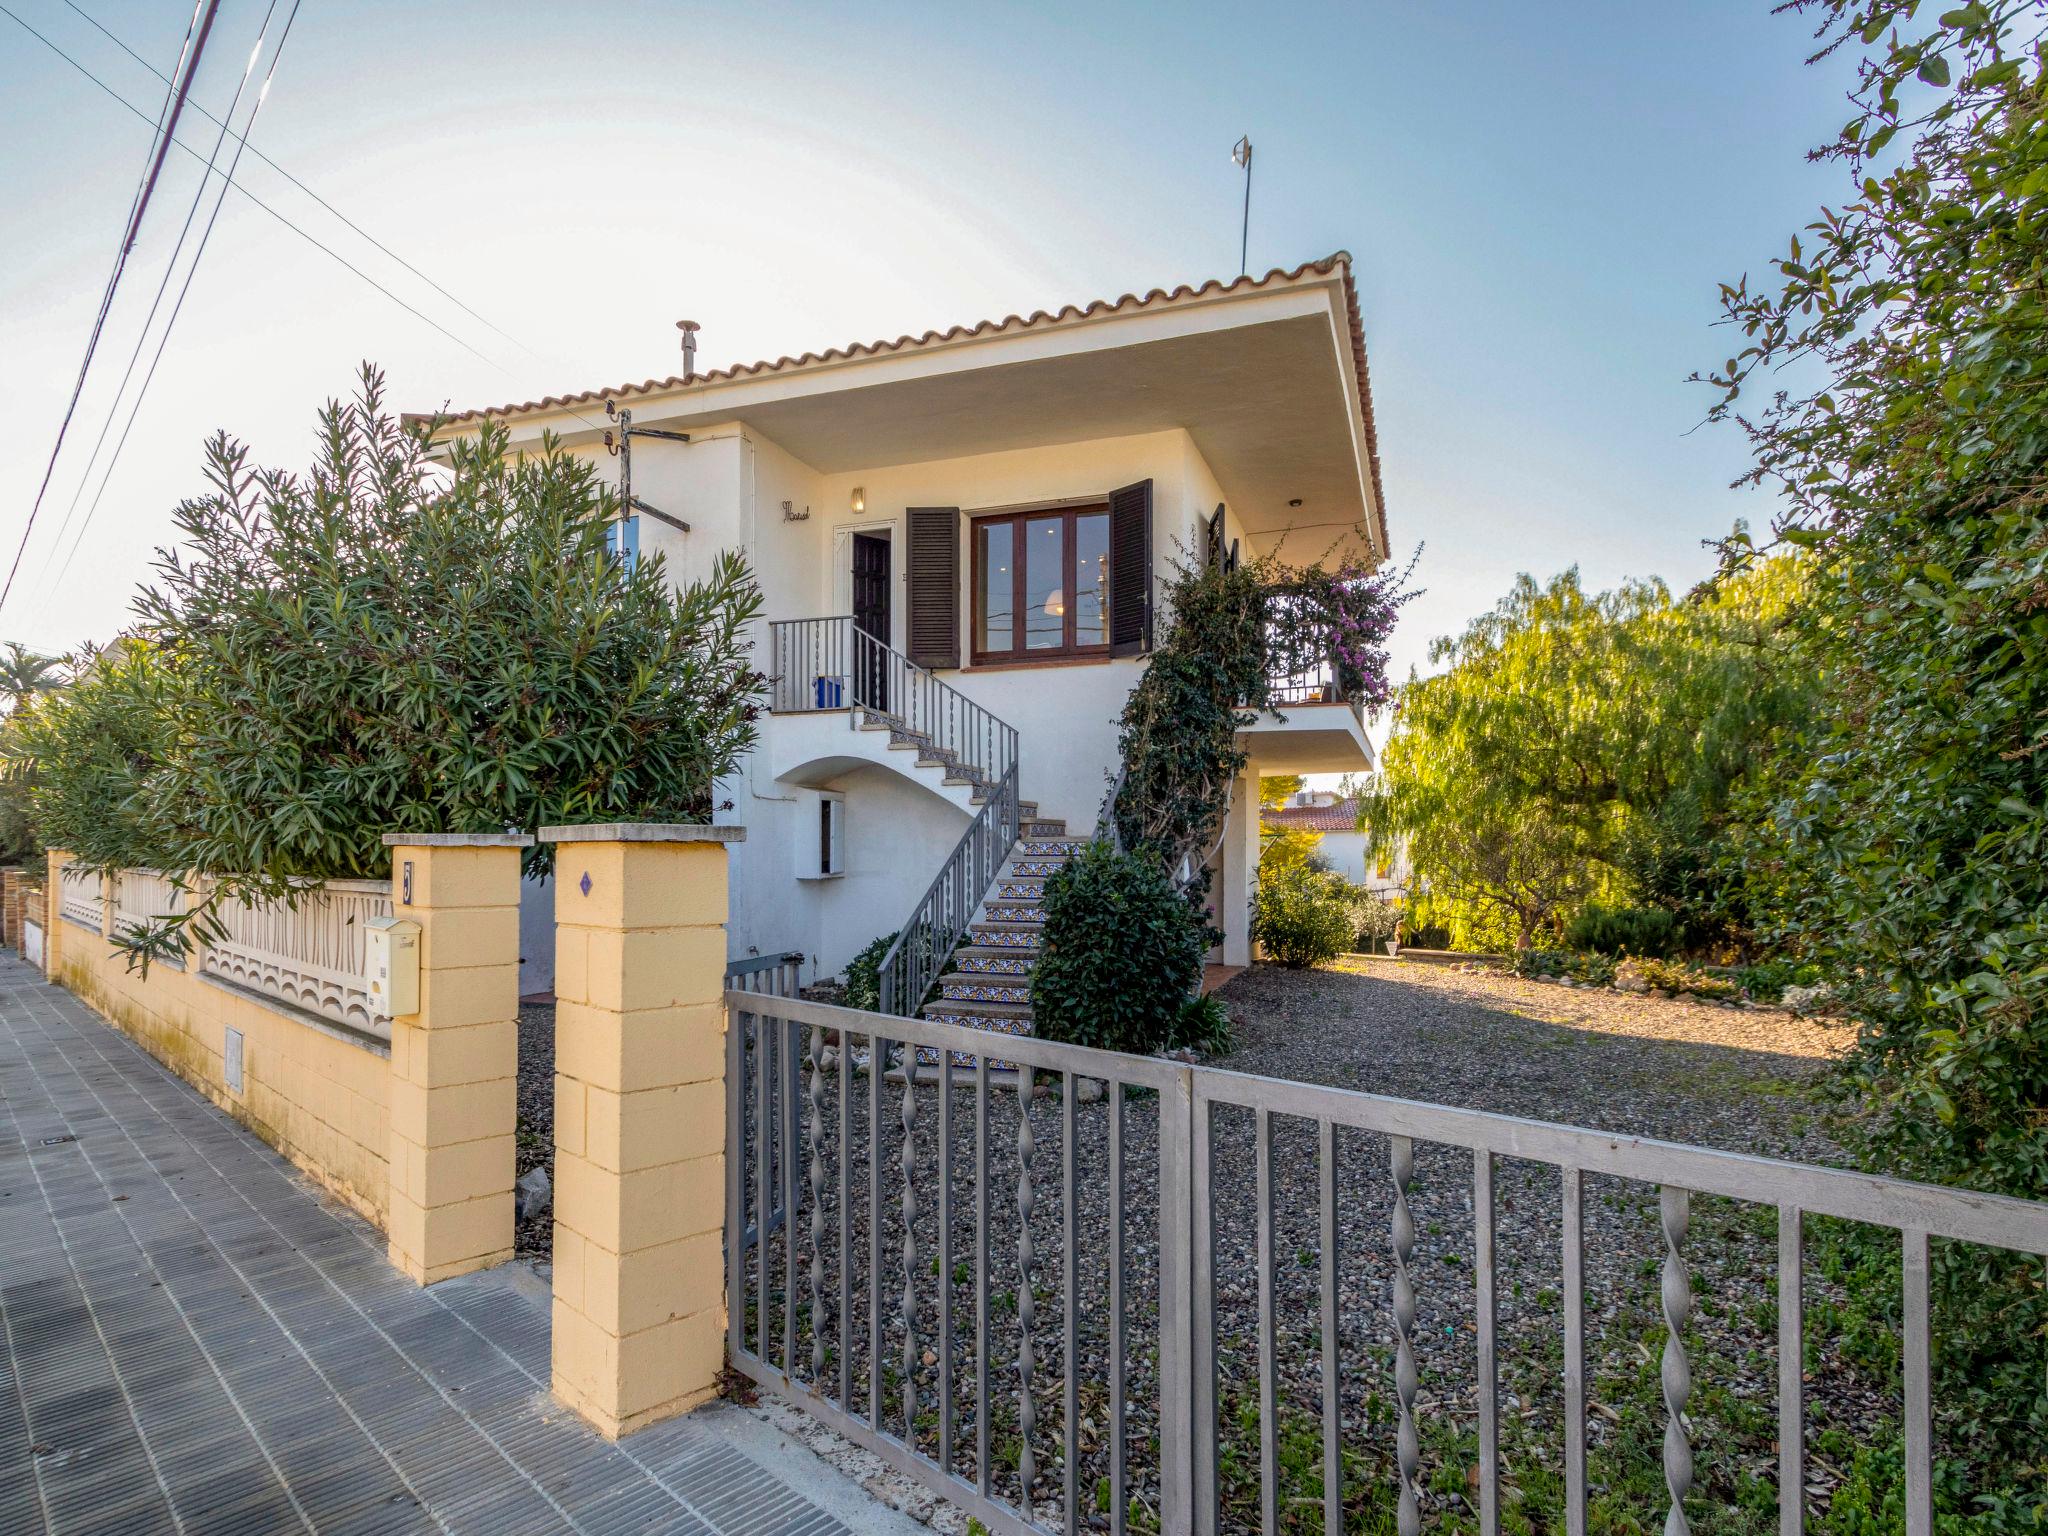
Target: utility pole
1241, 153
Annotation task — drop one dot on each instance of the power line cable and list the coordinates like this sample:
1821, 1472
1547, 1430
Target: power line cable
311, 240
205, 236
163, 285
196, 34
317, 244
288, 176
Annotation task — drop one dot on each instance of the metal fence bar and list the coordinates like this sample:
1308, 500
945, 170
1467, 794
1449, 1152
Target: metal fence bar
1574, 1354
1269, 1411
1027, 1305
1119, 1454
1201, 1241
878, 1061
1919, 1405
1488, 1365
1070, 1417
1408, 1445
1333, 1386
817, 1172
982, 1278
764, 1162
845, 1161
945, 1078
789, 1086
1791, 1372
1180, 1326
1675, 1210
907, 1163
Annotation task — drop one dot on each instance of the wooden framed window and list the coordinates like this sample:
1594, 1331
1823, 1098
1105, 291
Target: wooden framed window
1041, 584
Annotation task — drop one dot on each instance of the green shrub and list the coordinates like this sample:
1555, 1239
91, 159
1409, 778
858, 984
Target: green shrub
1589, 969
864, 975
1204, 1026
1302, 917
1623, 931
1767, 980
1675, 976
1122, 954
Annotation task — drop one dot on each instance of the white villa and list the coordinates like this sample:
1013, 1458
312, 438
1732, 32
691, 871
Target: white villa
958, 536
1333, 818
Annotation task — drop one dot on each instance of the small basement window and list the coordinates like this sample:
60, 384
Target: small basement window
821, 840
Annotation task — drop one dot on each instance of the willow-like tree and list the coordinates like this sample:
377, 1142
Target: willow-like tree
1579, 745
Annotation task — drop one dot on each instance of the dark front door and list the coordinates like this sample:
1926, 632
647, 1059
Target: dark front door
871, 618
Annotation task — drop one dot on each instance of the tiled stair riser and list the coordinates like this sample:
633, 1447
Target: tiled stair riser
1008, 938
994, 965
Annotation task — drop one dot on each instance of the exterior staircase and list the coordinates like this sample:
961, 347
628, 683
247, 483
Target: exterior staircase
903, 737
989, 984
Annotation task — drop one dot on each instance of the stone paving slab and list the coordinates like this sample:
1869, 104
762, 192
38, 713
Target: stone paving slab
194, 1340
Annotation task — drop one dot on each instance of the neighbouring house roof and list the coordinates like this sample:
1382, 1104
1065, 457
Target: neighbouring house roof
1341, 817
677, 390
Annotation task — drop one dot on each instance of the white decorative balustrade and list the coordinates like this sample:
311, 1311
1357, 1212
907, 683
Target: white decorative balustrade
79, 897
310, 952
145, 896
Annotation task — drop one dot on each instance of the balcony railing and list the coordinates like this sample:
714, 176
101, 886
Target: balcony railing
831, 664
1303, 672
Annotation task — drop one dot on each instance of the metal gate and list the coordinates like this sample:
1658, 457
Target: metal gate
1009, 1287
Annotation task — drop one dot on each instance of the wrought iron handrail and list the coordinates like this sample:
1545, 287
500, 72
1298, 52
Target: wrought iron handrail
912, 965
828, 664
813, 1348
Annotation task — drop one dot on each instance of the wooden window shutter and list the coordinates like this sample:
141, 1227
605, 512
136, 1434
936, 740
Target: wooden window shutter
1212, 539
1130, 569
933, 566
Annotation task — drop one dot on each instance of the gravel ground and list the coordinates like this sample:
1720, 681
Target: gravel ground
534, 1139
1679, 1069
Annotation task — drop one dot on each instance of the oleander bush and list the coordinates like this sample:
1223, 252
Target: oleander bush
386, 645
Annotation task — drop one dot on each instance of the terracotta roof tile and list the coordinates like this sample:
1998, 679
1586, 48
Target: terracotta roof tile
1341, 817
1338, 260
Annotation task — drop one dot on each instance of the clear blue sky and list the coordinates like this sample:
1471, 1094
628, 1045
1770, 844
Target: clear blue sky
1540, 199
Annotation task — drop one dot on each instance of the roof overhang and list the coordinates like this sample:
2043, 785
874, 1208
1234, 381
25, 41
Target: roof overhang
1264, 375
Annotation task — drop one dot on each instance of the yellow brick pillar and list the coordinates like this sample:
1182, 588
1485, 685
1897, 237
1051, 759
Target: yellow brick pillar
639, 1306
53, 911
455, 1063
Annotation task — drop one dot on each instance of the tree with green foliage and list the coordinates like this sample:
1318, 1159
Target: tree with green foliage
25, 673
87, 754
1576, 745
1913, 837
383, 645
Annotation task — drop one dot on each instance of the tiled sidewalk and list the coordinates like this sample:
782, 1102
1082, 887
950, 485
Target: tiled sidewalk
193, 1340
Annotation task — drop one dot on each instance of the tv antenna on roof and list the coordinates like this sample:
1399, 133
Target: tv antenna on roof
1241, 153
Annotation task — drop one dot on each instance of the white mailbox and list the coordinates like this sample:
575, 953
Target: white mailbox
394, 965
